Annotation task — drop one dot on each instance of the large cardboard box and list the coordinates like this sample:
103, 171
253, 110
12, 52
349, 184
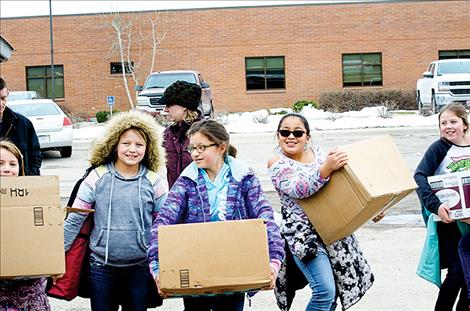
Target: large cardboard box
375, 178
454, 190
31, 227
214, 257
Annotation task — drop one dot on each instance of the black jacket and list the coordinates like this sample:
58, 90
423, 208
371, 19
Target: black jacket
19, 130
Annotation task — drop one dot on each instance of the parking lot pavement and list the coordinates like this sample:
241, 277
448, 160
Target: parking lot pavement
393, 253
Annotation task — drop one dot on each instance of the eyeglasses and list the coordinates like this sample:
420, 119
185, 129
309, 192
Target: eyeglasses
296, 133
199, 148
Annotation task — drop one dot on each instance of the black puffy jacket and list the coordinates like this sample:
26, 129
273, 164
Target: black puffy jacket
19, 130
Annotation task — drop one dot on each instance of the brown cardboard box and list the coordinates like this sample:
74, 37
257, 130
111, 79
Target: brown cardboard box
31, 227
454, 190
375, 178
214, 257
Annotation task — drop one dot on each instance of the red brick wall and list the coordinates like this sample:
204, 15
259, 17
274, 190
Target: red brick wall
215, 42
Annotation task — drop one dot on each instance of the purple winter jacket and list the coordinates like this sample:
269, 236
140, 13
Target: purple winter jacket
177, 157
188, 202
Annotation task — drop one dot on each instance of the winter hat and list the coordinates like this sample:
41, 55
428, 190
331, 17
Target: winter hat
182, 93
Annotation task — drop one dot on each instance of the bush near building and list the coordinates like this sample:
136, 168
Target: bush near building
350, 100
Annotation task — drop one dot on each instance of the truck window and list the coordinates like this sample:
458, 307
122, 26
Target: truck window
454, 67
164, 80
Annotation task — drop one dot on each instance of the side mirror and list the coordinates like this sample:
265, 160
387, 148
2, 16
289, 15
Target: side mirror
427, 74
139, 88
204, 85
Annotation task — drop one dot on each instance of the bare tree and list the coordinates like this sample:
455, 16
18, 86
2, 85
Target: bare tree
137, 41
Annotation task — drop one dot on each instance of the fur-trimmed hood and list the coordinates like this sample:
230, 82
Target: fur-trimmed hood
103, 149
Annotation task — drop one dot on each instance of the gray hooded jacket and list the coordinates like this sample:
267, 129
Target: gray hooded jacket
125, 207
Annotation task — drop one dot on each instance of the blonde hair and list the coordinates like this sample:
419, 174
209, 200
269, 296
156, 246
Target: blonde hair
11, 147
190, 116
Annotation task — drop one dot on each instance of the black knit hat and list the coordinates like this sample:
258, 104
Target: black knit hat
185, 94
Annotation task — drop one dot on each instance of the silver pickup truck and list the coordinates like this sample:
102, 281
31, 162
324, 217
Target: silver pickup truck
157, 82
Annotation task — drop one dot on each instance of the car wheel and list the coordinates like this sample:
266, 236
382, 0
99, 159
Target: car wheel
210, 115
419, 103
434, 104
66, 152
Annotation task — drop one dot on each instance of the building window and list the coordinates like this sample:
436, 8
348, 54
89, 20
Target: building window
364, 69
39, 79
454, 54
116, 68
265, 73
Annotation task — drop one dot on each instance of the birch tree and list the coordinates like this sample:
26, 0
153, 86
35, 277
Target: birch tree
137, 39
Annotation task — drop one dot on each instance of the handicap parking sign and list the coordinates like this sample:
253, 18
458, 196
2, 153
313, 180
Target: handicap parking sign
110, 100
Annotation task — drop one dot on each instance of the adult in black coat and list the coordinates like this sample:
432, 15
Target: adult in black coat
20, 131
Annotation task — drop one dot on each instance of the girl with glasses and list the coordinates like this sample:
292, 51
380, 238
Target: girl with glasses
298, 171
215, 187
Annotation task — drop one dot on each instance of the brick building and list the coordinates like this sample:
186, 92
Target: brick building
253, 57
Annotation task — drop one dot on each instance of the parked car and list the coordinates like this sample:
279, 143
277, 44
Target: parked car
157, 82
53, 127
443, 82
19, 95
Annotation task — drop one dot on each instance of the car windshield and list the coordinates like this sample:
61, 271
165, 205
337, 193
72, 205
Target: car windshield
454, 67
21, 95
163, 80
36, 109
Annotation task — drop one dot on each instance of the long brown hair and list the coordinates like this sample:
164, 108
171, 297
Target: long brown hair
9, 146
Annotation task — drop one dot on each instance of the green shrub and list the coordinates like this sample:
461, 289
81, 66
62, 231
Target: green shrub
102, 116
341, 101
300, 104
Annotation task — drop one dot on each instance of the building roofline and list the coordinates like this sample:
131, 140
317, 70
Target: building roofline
323, 3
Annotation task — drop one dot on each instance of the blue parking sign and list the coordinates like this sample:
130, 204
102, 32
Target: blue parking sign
110, 100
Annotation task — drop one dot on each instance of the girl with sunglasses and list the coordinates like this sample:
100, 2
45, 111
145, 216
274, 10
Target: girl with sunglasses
298, 171
215, 187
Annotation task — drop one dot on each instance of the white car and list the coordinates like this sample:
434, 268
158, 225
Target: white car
53, 128
19, 95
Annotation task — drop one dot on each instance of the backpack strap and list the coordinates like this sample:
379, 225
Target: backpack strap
101, 170
152, 176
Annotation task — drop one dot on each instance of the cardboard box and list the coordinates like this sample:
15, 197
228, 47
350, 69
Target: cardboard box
454, 190
214, 257
31, 227
375, 178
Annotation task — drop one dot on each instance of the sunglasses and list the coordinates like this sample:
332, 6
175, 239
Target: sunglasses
296, 133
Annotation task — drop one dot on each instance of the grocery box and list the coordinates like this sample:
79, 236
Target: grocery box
214, 257
375, 178
31, 227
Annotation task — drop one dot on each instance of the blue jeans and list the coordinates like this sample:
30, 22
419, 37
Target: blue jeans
319, 275
114, 286
232, 302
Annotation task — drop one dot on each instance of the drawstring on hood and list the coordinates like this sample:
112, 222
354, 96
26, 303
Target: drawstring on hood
109, 218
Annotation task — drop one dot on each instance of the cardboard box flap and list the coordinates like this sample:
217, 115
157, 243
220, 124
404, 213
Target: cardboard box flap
29, 191
393, 176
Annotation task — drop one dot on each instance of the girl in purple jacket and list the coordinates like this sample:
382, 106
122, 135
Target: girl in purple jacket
215, 187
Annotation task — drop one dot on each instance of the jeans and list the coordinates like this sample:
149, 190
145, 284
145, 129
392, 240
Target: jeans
232, 302
319, 275
114, 286
449, 237
464, 252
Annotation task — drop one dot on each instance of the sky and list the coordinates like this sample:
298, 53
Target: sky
18, 8
262, 122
